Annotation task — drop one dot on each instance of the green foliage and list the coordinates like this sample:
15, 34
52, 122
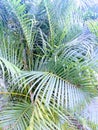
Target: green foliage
89, 15
93, 26
26, 23
49, 66
46, 118
16, 118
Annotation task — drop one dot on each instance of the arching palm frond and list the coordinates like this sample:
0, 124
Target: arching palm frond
52, 88
63, 76
10, 56
83, 53
9, 50
22, 115
16, 115
55, 119
10, 68
58, 79
59, 22
64, 24
24, 19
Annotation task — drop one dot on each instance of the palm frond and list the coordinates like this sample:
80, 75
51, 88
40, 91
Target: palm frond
26, 23
65, 22
48, 118
16, 116
57, 19
52, 88
10, 57
63, 75
9, 50
11, 69
93, 26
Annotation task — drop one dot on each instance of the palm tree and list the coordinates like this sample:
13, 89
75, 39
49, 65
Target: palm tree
48, 64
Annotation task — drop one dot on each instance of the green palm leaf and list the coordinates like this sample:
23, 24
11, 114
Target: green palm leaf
93, 26
16, 116
48, 118
26, 23
63, 76
52, 88
9, 51
11, 68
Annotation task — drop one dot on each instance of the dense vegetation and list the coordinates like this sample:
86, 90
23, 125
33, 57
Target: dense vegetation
49, 63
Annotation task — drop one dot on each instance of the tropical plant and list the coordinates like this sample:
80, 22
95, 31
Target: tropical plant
93, 26
49, 66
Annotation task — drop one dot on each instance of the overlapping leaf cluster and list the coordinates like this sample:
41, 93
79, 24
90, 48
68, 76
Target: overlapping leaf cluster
49, 64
